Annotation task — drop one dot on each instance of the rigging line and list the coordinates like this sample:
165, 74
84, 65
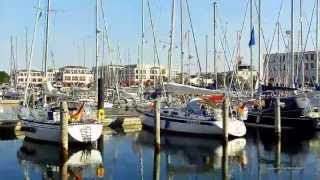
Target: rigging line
107, 37
154, 41
241, 31
193, 37
240, 36
283, 37
306, 41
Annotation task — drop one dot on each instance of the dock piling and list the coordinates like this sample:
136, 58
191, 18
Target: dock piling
64, 126
157, 127
64, 139
277, 116
101, 113
225, 117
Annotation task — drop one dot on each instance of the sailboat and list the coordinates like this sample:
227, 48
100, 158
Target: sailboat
41, 119
297, 112
200, 116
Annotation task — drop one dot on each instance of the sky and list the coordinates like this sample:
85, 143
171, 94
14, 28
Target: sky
72, 31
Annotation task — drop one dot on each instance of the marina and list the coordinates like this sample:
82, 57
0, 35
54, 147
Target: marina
177, 89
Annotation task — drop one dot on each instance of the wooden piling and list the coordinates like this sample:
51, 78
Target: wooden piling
101, 113
64, 126
225, 161
156, 165
278, 154
225, 117
64, 139
277, 117
157, 127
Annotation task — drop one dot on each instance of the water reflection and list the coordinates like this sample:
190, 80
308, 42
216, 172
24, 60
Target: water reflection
43, 160
189, 156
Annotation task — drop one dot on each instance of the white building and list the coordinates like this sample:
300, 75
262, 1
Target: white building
279, 67
113, 74
145, 73
75, 76
35, 78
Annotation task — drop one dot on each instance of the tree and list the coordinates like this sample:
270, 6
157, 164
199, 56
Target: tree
4, 77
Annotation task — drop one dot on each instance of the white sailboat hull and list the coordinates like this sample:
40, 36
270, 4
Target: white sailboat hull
51, 132
195, 126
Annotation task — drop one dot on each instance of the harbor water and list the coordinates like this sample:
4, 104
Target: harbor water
131, 156
258, 155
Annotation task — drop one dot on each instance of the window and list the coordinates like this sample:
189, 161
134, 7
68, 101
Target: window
74, 78
312, 57
67, 78
312, 65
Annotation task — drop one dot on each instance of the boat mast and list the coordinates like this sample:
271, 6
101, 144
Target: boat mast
291, 43
206, 59
46, 41
317, 44
259, 78
189, 57
26, 48
171, 39
181, 40
214, 44
251, 55
142, 46
97, 48
11, 62
301, 47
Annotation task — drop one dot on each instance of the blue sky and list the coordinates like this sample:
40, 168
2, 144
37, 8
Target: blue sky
72, 29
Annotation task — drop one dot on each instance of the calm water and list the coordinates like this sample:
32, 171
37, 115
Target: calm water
131, 156
259, 155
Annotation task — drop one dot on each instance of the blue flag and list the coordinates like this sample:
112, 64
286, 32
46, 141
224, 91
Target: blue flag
252, 41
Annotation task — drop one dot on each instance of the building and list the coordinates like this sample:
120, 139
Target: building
132, 74
279, 68
53, 75
112, 74
35, 78
75, 76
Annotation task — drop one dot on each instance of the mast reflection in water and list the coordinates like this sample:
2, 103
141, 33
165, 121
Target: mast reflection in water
259, 155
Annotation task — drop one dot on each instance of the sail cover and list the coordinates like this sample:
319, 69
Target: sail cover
176, 88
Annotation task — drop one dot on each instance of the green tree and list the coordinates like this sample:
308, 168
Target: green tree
4, 77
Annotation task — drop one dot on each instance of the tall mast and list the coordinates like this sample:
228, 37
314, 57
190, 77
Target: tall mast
142, 43
84, 53
189, 56
259, 78
171, 39
317, 44
26, 48
181, 40
206, 60
291, 44
97, 47
251, 56
301, 46
11, 62
47, 43
214, 44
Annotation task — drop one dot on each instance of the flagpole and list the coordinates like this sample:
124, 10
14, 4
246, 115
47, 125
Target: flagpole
251, 58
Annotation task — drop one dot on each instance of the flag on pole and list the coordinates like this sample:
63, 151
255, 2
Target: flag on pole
252, 41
